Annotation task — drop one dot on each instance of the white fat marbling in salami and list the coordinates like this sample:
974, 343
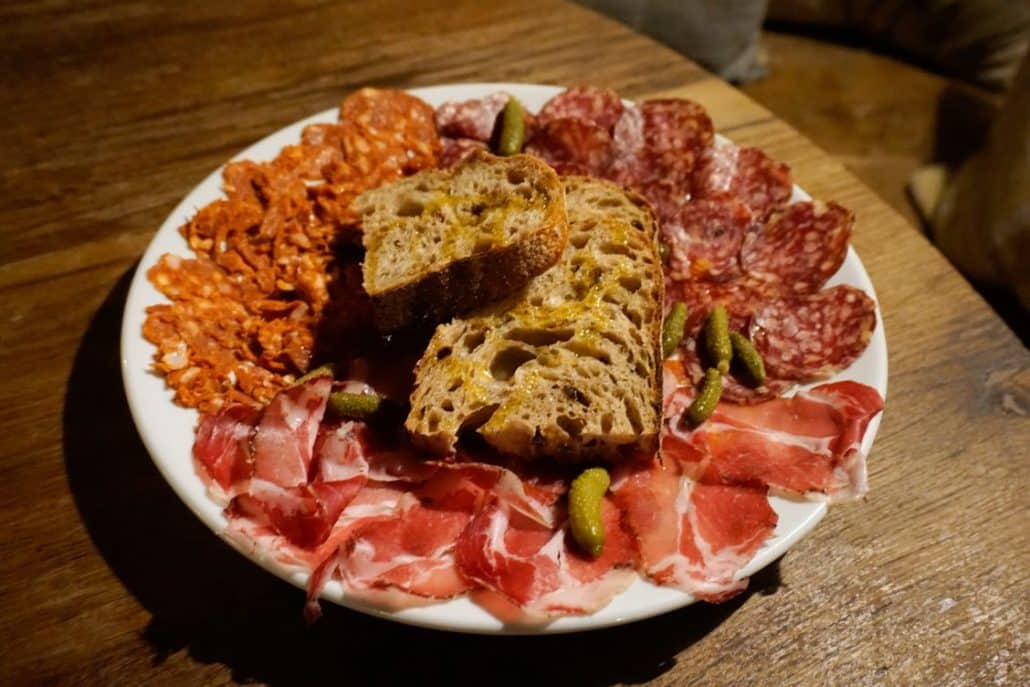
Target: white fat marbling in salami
810, 337
800, 247
599, 106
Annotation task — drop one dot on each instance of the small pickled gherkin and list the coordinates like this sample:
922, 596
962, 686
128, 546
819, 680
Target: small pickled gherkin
717, 338
748, 359
354, 406
513, 128
585, 498
672, 330
328, 369
707, 398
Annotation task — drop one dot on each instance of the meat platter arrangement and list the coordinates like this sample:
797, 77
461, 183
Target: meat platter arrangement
524, 360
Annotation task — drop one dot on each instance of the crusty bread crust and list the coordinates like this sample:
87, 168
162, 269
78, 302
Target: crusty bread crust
471, 276
570, 367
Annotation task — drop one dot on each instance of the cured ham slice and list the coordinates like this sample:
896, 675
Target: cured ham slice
285, 438
304, 515
222, 447
536, 568
693, 536
810, 442
411, 550
468, 487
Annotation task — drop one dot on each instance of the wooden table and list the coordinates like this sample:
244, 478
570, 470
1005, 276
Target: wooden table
113, 113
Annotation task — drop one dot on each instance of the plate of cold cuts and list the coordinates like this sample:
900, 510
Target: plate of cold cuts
254, 280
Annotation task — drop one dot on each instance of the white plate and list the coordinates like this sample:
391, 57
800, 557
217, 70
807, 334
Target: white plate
167, 429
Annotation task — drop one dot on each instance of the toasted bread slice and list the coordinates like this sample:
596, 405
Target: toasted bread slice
441, 242
570, 367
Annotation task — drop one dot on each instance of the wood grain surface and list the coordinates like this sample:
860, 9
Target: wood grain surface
113, 111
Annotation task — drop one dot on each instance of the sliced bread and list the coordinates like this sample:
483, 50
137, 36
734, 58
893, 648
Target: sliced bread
441, 242
570, 366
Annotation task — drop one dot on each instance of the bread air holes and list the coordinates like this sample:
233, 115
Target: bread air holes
443, 353
585, 349
610, 248
572, 426
579, 240
539, 337
606, 423
473, 340
633, 415
410, 207
574, 394
515, 176
630, 282
477, 418
507, 361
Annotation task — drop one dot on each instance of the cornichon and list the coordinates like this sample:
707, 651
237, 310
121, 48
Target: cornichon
717, 338
745, 354
707, 398
672, 330
355, 406
326, 369
513, 128
585, 509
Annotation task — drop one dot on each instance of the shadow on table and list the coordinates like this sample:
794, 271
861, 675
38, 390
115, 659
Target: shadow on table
210, 601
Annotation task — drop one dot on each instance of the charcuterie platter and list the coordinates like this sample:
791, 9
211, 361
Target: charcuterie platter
290, 372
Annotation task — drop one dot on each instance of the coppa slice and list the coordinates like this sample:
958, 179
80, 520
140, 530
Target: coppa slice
440, 243
569, 367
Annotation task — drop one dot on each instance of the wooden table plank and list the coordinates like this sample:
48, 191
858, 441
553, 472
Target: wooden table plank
117, 109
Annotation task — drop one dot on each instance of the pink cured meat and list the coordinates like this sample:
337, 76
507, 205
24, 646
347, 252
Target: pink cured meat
599, 106
762, 183
473, 119
222, 446
808, 338
676, 133
810, 442
411, 550
572, 146
693, 536
536, 568
304, 515
657, 144
705, 239
285, 438
454, 150
468, 487
801, 247
740, 296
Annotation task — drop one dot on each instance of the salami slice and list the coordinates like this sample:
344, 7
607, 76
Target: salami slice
676, 133
762, 183
599, 106
572, 146
457, 149
470, 118
705, 237
800, 247
740, 296
810, 337
387, 132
